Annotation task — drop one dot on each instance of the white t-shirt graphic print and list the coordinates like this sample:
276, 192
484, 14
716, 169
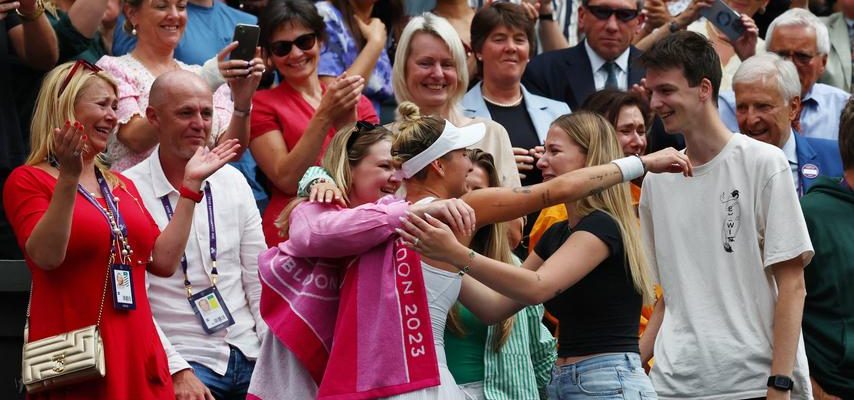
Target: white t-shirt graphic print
710, 239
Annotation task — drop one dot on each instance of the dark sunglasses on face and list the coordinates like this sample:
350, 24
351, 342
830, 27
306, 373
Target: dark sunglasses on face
605, 13
283, 47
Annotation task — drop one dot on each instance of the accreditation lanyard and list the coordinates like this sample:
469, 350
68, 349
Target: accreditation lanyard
207, 304
124, 297
212, 238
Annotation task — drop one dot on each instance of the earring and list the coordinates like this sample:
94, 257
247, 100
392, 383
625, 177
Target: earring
133, 31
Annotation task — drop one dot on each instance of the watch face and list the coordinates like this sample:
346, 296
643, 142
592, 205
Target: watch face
781, 382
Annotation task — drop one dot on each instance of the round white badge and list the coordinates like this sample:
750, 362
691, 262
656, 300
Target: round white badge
810, 171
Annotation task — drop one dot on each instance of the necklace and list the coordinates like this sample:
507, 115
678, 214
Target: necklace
513, 103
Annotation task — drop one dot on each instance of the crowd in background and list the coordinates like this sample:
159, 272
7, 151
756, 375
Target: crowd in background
454, 199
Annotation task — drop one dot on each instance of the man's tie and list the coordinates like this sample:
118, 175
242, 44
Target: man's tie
611, 82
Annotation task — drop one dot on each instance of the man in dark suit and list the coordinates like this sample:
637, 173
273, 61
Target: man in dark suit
605, 58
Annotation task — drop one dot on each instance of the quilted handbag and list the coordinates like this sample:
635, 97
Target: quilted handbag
64, 359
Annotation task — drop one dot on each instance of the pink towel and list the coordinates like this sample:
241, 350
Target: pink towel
362, 331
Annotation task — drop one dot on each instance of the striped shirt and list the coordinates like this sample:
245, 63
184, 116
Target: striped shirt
522, 369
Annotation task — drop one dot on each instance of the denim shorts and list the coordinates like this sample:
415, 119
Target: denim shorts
609, 376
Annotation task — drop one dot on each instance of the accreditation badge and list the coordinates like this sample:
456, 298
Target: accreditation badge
123, 295
211, 310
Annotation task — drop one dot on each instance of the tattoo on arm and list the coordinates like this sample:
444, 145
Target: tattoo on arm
523, 190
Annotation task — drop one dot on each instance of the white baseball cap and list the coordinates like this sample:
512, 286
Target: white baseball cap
452, 138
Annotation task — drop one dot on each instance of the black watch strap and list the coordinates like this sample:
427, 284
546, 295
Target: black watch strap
780, 382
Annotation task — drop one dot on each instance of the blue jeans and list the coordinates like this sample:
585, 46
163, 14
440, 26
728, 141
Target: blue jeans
609, 376
234, 384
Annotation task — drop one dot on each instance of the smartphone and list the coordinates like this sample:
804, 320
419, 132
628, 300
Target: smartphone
246, 37
725, 19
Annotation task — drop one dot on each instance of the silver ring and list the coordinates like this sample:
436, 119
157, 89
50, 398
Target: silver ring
415, 243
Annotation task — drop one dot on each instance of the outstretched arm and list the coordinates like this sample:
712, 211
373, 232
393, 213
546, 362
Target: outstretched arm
503, 204
579, 255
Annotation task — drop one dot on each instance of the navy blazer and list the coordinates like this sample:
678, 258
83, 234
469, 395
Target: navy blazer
566, 74
818, 155
543, 111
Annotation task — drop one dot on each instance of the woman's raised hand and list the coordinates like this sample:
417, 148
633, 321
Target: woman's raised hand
242, 76
668, 160
455, 212
205, 162
69, 144
339, 102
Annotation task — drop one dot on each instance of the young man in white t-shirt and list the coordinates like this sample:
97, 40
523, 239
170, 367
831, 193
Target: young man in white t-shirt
728, 246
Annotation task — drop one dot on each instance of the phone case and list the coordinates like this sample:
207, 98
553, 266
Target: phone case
247, 38
725, 19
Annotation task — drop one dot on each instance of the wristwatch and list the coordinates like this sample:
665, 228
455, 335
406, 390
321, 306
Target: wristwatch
674, 27
780, 382
546, 17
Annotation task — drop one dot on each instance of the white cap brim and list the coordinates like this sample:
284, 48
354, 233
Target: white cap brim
452, 138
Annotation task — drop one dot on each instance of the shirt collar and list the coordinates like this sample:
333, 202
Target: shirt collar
159, 183
790, 148
596, 62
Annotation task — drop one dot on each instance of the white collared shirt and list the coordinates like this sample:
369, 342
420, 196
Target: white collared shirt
239, 240
600, 74
791, 151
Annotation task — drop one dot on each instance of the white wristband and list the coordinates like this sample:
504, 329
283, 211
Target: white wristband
631, 167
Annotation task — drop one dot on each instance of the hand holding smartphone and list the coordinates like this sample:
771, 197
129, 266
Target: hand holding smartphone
246, 37
725, 19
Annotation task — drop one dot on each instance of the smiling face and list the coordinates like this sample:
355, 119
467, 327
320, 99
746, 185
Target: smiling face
298, 65
609, 37
431, 73
184, 123
799, 43
674, 100
374, 176
631, 130
561, 154
159, 22
763, 113
505, 54
95, 108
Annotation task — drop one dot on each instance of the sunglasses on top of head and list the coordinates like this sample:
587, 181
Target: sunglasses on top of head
284, 47
605, 13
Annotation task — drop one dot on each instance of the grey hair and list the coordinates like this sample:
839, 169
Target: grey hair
801, 17
441, 28
770, 66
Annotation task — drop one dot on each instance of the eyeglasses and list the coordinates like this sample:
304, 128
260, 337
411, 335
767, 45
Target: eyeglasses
605, 13
77, 64
797, 57
303, 42
361, 127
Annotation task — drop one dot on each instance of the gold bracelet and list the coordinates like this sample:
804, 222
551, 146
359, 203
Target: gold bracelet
465, 269
35, 15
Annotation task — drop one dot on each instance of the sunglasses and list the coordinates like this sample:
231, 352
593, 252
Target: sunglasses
284, 47
361, 127
605, 13
796, 56
77, 64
